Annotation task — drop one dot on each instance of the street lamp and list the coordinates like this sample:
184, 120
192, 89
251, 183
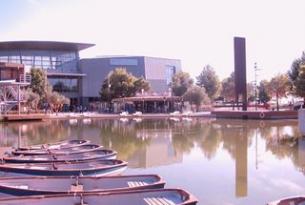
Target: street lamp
109, 97
255, 83
142, 92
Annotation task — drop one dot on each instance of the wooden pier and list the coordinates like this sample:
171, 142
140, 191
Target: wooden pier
23, 117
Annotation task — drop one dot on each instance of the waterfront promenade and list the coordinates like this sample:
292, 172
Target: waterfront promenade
230, 114
95, 115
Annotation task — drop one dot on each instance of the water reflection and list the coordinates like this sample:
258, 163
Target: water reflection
252, 146
165, 137
137, 140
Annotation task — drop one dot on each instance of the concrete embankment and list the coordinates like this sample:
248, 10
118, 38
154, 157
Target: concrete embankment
256, 115
66, 116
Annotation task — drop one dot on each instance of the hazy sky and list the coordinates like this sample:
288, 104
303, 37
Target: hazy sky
198, 32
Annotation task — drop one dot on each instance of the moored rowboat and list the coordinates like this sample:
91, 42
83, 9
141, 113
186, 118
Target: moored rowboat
297, 200
85, 168
21, 186
70, 150
57, 145
73, 157
139, 197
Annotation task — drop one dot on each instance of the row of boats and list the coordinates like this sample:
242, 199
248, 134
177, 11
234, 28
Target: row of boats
78, 172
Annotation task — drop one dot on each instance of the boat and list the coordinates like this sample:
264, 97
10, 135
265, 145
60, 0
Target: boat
138, 197
125, 114
297, 200
70, 150
138, 114
84, 168
175, 113
90, 155
57, 145
21, 186
187, 113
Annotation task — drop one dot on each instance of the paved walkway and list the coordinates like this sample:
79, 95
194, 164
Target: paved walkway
117, 116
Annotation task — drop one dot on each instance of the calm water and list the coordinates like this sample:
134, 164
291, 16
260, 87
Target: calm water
219, 161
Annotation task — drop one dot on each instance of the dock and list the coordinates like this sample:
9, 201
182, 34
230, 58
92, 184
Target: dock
23, 117
256, 115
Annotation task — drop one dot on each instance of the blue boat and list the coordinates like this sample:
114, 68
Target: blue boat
138, 197
70, 150
296, 200
22, 186
57, 145
84, 168
51, 158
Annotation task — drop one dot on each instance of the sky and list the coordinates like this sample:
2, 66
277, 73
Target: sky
199, 32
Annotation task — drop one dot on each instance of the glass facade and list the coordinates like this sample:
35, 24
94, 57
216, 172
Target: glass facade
9, 74
169, 73
64, 84
53, 61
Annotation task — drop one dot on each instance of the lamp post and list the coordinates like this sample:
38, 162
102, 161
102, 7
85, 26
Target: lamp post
18, 99
142, 93
255, 83
109, 97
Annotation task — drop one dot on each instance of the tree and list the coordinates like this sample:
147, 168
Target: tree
41, 87
32, 99
56, 100
210, 81
228, 88
251, 92
141, 83
263, 94
278, 87
180, 83
39, 82
120, 83
196, 95
296, 76
105, 92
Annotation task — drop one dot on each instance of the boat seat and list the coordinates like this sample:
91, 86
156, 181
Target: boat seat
136, 183
76, 188
158, 201
18, 186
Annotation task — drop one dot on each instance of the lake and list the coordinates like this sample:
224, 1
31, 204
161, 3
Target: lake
219, 161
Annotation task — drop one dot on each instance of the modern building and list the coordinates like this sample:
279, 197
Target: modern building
81, 79
157, 71
60, 60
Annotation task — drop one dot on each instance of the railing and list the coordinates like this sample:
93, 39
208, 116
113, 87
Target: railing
25, 78
6, 107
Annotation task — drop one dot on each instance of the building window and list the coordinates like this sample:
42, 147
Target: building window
123, 61
64, 84
61, 61
169, 73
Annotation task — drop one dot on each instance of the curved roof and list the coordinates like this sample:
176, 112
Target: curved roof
44, 45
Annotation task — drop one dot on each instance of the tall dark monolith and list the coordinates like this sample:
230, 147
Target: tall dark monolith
240, 71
